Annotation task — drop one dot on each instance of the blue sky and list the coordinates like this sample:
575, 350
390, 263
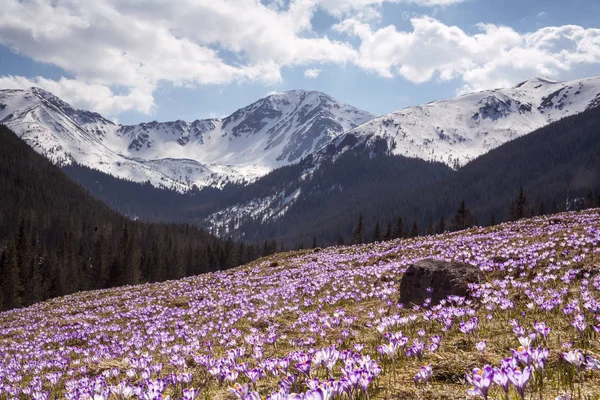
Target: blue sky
140, 60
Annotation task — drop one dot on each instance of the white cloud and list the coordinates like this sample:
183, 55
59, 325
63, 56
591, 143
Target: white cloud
84, 95
139, 44
496, 56
340, 8
312, 73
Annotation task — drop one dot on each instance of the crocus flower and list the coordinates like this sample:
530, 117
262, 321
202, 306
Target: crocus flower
500, 378
481, 380
481, 346
424, 374
574, 357
519, 379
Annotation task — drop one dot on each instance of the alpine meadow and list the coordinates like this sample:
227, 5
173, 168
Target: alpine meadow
299, 200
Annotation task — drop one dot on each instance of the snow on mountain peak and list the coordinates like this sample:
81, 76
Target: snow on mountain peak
455, 131
274, 131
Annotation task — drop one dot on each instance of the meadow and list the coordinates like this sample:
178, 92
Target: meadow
326, 324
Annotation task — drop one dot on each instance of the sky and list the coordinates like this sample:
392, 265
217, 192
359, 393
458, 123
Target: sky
142, 60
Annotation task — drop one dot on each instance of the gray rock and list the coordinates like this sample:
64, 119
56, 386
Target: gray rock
445, 278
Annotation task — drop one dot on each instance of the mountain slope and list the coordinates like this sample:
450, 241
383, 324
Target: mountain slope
272, 132
557, 163
56, 239
457, 130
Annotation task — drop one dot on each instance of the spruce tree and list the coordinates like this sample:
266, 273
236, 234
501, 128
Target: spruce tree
415, 230
12, 286
441, 225
377, 233
399, 231
430, 227
520, 207
358, 236
388, 232
2, 272
462, 219
542, 208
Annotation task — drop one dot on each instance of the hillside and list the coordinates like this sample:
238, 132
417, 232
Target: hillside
326, 324
56, 239
556, 165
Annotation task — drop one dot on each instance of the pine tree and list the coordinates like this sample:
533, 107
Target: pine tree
399, 231
520, 207
441, 225
415, 230
377, 233
388, 232
359, 233
462, 219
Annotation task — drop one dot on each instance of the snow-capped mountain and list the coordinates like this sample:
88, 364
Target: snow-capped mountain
274, 131
455, 131
452, 131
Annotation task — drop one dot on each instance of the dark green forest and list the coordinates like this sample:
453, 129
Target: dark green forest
56, 239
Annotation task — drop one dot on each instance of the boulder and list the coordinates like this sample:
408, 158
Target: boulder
443, 277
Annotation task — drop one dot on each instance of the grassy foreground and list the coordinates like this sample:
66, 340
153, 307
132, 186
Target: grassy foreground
325, 324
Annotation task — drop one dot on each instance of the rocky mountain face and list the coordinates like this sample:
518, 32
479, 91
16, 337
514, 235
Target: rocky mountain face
275, 131
458, 130
452, 131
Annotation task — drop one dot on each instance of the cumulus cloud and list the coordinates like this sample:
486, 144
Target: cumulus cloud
496, 56
340, 8
312, 73
140, 44
135, 45
86, 96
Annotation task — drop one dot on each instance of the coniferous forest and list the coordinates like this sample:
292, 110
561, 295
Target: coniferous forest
56, 239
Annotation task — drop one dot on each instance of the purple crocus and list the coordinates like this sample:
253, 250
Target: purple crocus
519, 379
424, 374
481, 380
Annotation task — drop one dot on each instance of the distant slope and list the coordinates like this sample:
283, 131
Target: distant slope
146, 202
56, 239
558, 164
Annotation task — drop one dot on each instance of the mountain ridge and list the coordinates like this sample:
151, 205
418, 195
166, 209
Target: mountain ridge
273, 131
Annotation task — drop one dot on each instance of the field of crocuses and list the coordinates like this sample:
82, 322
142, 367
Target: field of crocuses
326, 325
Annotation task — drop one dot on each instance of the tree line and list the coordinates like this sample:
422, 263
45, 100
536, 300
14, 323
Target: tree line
55, 239
463, 218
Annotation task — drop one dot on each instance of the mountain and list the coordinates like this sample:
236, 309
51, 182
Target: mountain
275, 131
56, 239
455, 131
557, 165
